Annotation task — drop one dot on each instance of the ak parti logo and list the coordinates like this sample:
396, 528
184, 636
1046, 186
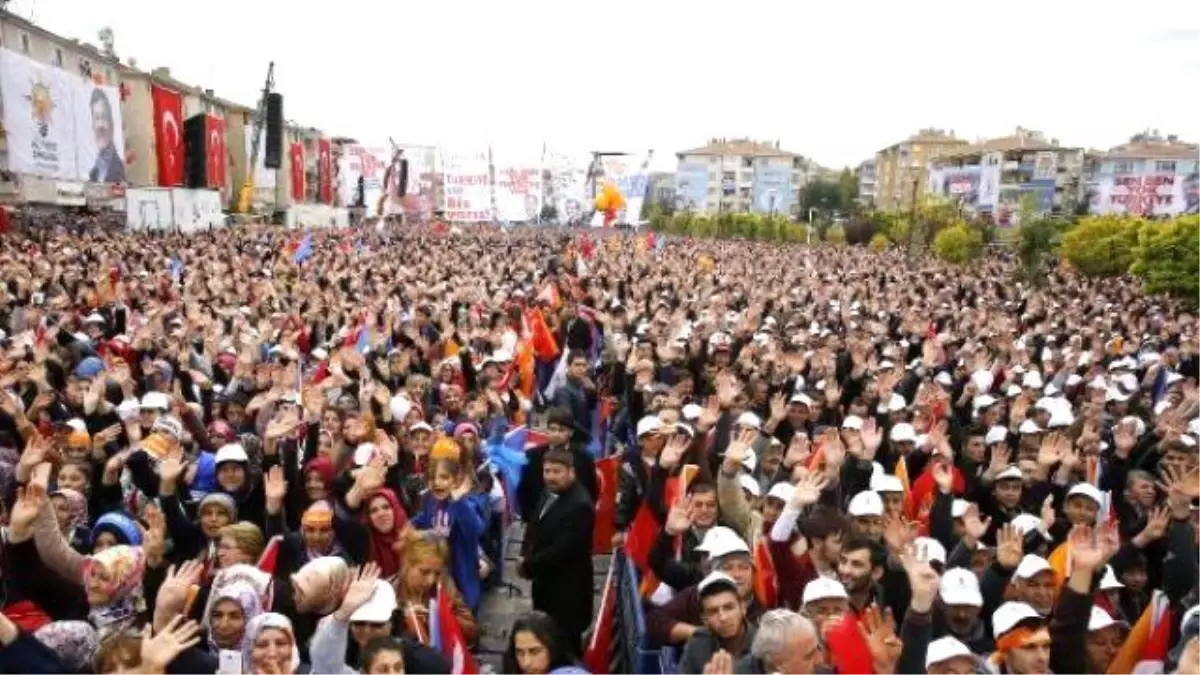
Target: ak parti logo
41, 106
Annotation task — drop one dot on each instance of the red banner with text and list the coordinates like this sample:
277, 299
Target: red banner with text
168, 134
325, 171
215, 128
297, 163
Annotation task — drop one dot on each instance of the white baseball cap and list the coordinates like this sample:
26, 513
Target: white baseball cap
692, 411
649, 424
934, 551
1061, 418
749, 484
944, 649
896, 403
1029, 427
1100, 619
1026, 523
748, 419
1110, 582
884, 482
711, 536
958, 508
1032, 380
984, 401
903, 433
802, 399
400, 406
822, 588
1013, 391
1010, 472
231, 452
1032, 565
723, 543
716, 579
380, 607
943, 378
155, 400
960, 586
983, 380
853, 422
1087, 490
866, 503
1010, 614
420, 426
996, 434
782, 491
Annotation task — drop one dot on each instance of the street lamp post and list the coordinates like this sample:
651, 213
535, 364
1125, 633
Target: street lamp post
810, 223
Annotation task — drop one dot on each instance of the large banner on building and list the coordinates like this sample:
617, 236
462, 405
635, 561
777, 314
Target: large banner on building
168, 134
263, 177
467, 185
989, 181
1156, 194
518, 184
773, 189
58, 124
691, 187
369, 164
418, 200
630, 173
568, 184
196, 210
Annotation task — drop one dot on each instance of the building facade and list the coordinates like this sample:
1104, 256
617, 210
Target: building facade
740, 175
866, 183
1024, 171
901, 168
1148, 176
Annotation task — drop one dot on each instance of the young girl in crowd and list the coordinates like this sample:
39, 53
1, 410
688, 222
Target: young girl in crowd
536, 648
451, 511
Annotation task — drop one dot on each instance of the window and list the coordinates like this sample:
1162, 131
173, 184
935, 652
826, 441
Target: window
1123, 167
25, 42
58, 60
729, 175
1164, 167
714, 160
747, 162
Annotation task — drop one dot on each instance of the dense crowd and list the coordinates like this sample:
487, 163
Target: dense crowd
260, 451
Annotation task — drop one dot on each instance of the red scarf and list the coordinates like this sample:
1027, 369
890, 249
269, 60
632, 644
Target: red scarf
383, 552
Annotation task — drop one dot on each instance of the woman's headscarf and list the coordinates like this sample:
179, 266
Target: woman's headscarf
74, 643
245, 595
383, 551
220, 499
126, 565
324, 468
77, 507
119, 524
256, 626
322, 582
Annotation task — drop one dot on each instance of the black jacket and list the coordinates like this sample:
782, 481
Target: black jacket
558, 559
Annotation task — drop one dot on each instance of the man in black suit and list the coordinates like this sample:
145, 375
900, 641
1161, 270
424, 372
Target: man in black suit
557, 551
110, 165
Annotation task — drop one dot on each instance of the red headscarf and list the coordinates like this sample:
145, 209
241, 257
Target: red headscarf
383, 552
324, 468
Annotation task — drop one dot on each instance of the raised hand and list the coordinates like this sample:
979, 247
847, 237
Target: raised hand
1047, 514
1156, 526
1010, 546
898, 533
154, 536
922, 579
943, 476
974, 527
878, 630
740, 449
809, 488
1051, 451
275, 486
1087, 553
172, 467
798, 450
173, 593
673, 452
30, 500
679, 518
835, 452
779, 407
159, 651
721, 663
710, 415
360, 591
872, 437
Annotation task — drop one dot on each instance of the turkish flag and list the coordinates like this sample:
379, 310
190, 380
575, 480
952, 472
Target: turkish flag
168, 134
214, 127
297, 161
325, 171
606, 504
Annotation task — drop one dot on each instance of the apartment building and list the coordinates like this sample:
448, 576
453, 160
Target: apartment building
1002, 176
740, 175
867, 184
1148, 176
901, 168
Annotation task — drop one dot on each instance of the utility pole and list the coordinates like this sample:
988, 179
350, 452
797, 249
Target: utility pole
245, 197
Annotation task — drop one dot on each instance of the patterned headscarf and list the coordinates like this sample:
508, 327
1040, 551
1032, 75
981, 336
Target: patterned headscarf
246, 596
255, 627
125, 567
322, 581
75, 643
77, 506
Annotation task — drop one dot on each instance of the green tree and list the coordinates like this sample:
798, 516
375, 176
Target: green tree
1102, 246
1167, 257
847, 191
879, 243
1037, 240
819, 194
958, 244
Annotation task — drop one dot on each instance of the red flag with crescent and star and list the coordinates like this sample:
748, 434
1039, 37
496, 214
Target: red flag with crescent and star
297, 164
168, 135
325, 171
214, 127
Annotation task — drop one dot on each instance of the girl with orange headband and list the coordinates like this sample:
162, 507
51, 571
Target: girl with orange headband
449, 509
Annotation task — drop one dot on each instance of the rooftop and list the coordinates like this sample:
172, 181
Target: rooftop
1153, 146
743, 147
1024, 140
929, 135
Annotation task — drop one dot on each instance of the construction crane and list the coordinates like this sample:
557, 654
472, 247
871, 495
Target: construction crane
246, 195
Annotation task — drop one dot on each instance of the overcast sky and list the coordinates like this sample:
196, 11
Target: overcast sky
835, 81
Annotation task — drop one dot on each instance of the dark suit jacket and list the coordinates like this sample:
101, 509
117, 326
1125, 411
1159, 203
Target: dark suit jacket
558, 559
532, 489
115, 172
